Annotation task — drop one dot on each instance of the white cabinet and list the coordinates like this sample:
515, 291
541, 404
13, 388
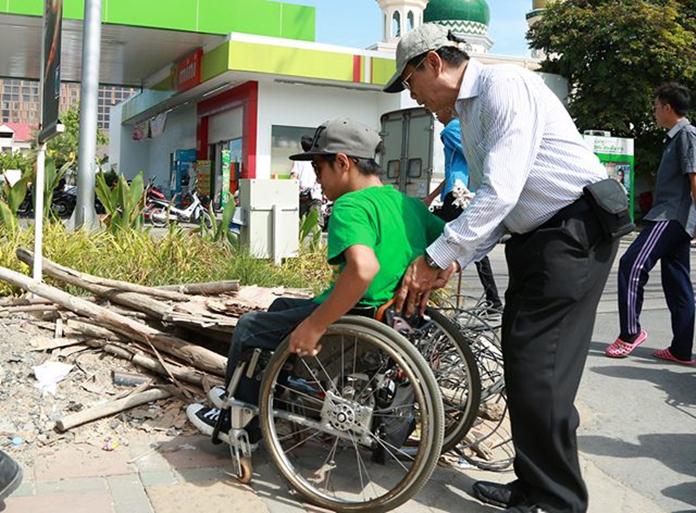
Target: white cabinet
270, 217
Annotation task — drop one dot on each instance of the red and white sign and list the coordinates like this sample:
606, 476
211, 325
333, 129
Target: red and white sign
187, 72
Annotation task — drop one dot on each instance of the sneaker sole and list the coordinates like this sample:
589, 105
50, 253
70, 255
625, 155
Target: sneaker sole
12, 485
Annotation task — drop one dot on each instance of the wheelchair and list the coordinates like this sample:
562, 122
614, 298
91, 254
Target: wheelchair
360, 426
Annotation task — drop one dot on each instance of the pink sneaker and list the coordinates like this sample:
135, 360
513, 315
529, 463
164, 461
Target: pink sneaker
621, 349
666, 354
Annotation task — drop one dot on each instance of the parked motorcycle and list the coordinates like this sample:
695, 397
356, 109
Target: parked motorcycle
164, 212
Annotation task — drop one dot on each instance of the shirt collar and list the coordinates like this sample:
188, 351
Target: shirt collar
675, 129
471, 82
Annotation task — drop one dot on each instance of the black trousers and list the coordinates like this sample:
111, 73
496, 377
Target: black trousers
448, 212
557, 275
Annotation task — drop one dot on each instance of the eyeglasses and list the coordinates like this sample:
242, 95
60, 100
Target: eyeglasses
405, 81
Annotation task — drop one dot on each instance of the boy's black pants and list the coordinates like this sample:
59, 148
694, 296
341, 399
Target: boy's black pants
557, 275
265, 330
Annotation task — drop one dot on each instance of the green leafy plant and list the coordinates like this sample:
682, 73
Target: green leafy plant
63, 148
12, 198
177, 256
310, 230
123, 202
52, 178
219, 230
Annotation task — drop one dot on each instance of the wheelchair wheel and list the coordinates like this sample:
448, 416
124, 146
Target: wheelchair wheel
452, 361
335, 424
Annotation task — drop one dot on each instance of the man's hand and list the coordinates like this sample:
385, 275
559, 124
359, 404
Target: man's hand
416, 285
304, 340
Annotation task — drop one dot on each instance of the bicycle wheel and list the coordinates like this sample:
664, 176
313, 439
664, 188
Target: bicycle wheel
334, 425
485, 345
452, 361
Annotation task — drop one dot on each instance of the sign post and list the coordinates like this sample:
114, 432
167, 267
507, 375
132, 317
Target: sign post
50, 124
617, 155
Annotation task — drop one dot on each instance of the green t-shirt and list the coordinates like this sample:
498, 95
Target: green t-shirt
397, 227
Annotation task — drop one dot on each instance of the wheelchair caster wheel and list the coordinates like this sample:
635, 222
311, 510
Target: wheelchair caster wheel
245, 470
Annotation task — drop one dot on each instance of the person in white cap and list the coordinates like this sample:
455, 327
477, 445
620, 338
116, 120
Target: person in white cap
537, 180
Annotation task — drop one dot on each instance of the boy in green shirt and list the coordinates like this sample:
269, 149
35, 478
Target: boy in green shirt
375, 232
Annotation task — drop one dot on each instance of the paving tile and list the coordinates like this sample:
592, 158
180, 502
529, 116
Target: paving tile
205, 474
128, 494
157, 477
76, 484
72, 502
73, 462
25, 489
194, 452
208, 496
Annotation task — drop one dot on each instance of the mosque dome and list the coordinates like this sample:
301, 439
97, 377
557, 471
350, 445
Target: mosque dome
458, 13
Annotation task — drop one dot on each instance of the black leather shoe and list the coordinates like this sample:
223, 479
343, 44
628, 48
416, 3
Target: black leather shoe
10, 476
497, 494
525, 509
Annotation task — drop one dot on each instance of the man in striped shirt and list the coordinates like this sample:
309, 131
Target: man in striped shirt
529, 166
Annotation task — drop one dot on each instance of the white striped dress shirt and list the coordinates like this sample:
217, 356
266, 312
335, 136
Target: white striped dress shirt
526, 159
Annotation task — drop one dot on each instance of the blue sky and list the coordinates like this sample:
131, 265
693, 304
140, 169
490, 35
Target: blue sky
358, 23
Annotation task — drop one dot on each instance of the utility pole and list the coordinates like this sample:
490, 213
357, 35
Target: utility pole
85, 215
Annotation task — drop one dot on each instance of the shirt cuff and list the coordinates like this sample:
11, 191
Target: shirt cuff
444, 252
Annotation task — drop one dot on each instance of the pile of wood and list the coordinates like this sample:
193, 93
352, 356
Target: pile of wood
180, 333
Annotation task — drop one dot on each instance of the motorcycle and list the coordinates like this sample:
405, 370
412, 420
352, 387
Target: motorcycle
164, 212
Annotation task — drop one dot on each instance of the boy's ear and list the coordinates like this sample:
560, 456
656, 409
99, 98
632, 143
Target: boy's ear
343, 160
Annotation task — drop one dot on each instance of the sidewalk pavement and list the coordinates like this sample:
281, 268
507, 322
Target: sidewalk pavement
189, 474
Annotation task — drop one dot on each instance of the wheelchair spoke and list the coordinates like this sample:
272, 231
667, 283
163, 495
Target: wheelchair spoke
295, 433
362, 462
303, 441
385, 444
314, 376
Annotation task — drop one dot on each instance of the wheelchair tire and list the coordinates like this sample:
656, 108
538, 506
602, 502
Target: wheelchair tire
457, 426
396, 356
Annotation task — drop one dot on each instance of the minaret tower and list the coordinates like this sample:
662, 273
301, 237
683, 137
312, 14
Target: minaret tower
399, 17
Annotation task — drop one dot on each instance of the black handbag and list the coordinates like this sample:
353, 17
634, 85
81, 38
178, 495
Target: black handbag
610, 204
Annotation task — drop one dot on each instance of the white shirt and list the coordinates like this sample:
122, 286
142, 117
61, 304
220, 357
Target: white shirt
526, 159
303, 171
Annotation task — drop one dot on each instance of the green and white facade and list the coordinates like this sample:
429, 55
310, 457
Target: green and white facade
236, 81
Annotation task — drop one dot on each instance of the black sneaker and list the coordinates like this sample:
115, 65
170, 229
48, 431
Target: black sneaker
10, 476
205, 419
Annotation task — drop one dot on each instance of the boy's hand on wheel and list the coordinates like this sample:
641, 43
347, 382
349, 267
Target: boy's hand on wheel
304, 340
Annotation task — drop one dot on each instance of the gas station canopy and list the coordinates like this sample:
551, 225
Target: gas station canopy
139, 38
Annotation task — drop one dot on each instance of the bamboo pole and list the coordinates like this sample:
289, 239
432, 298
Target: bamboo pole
197, 356
206, 289
27, 256
105, 409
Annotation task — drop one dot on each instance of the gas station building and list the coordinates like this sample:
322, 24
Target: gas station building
229, 87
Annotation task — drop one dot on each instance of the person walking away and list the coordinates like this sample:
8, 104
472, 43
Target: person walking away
669, 228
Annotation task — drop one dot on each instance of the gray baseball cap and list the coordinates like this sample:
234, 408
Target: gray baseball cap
425, 38
342, 135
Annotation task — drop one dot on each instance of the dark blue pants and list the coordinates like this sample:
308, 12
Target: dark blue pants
668, 242
265, 330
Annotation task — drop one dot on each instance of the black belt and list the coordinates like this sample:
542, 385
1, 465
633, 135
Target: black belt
579, 206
